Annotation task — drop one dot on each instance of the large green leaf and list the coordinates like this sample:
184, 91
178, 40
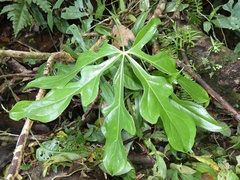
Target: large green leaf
51, 106
117, 118
198, 113
194, 90
179, 127
146, 33
84, 59
48, 108
54, 103
231, 21
91, 77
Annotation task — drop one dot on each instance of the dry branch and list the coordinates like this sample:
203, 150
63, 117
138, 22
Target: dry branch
63, 56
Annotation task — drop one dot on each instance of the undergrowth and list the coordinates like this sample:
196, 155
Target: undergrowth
116, 66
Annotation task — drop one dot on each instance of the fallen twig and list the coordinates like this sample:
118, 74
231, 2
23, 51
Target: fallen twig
17, 74
14, 137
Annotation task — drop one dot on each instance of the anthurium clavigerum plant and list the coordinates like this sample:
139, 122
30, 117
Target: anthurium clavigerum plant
158, 102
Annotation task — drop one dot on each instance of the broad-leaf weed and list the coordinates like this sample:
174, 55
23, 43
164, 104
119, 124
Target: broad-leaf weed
158, 102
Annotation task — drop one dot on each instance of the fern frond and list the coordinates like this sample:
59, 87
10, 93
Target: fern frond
19, 15
194, 10
45, 5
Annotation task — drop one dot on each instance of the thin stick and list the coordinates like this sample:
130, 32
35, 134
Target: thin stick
17, 74
14, 137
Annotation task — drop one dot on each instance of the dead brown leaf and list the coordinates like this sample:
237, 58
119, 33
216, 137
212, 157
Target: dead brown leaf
126, 33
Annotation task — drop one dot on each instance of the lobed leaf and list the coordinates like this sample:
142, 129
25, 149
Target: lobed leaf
48, 108
117, 118
232, 21
179, 127
161, 61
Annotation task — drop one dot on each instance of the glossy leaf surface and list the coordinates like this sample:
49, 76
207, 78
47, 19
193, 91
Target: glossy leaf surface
178, 126
90, 79
48, 108
117, 119
146, 33
198, 113
161, 60
115, 72
194, 90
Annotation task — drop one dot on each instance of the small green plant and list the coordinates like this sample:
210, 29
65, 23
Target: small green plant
180, 39
63, 148
131, 94
117, 73
194, 11
46, 14
219, 20
215, 48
